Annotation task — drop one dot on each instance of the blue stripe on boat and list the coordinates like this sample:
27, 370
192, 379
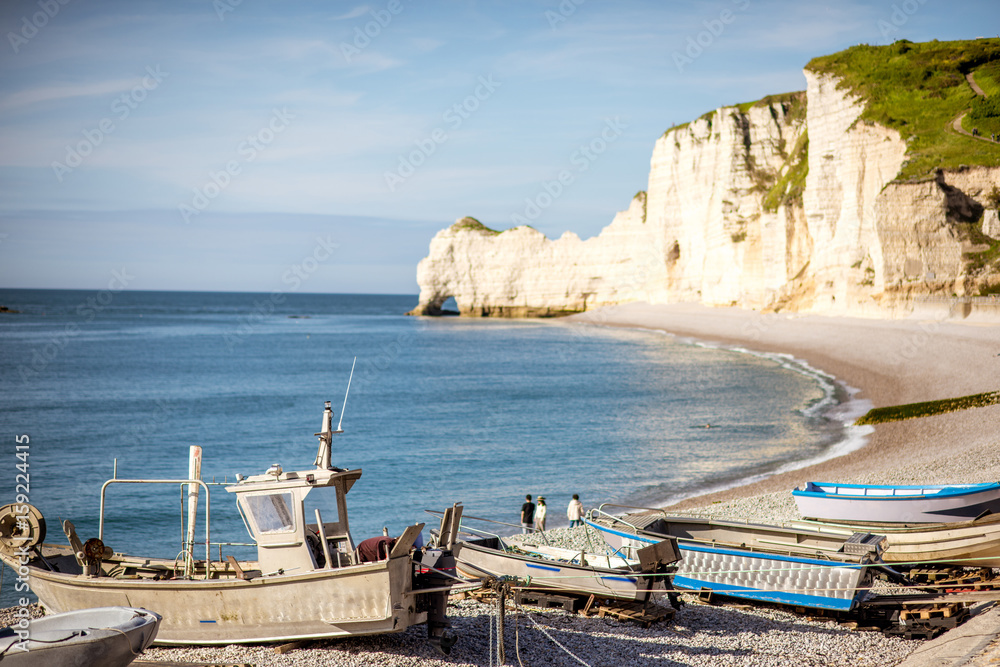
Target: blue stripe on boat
544, 567
799, 599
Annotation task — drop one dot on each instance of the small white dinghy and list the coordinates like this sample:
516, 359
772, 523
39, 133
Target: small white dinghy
874, 503
99, 637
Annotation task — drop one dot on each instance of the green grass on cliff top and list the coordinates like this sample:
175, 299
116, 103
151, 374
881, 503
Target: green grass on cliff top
470, 223
918, 90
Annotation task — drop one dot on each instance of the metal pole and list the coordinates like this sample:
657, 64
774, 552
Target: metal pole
322, 536
208, 508
194, 472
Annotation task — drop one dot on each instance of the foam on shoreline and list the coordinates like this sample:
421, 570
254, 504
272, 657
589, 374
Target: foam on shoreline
839, 404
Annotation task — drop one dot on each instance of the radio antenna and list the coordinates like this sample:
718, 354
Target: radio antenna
341, 421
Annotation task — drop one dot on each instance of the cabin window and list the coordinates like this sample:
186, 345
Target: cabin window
272, 513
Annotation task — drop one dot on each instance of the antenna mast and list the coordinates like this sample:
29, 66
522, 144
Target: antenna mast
341, 421
324, 455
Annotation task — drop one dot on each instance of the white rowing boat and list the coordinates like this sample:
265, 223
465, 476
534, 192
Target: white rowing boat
897, 504
105, 636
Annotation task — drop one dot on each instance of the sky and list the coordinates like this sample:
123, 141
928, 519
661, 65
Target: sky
220, 144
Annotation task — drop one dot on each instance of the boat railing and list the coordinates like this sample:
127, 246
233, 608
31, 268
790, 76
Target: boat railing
500, 523
208, 543
699, 514
598, 512
696, 514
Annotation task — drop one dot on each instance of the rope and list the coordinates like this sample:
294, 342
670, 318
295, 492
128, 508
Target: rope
491, 645
127, 640
553, 639
501, 610
517, 632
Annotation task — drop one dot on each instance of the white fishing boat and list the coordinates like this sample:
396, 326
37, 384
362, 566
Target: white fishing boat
540, 566
897, 504
106, 636
973, 543
753, 562
310, 579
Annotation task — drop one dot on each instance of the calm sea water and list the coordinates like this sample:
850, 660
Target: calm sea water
440, 411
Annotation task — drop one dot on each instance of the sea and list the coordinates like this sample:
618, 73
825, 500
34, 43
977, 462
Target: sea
98, 384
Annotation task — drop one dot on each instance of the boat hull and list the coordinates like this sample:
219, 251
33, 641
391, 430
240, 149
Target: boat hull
110, 637
967, 543
897, 504
370, 598
757, 576
477, 560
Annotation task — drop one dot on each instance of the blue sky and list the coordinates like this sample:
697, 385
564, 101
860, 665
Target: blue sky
212, 145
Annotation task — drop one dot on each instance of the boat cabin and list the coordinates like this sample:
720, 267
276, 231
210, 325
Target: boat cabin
273, 508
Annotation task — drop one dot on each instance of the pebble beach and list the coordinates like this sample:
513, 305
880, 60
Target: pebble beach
887, 362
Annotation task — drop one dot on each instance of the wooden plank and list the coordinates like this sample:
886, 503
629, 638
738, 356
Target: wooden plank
635, 613
290, 646
928, 611
236, 567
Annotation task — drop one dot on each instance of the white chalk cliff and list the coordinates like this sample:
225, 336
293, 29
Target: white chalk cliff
762, 207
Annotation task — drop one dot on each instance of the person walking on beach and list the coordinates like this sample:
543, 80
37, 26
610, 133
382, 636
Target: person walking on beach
527, 515
540, 515
575, 511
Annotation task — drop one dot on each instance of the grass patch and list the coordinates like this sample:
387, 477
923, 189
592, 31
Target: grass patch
918, 89
471, 224
790, 187
676, 127
973, 233
988, 78
641, 195
993, 198
894, 413
984, 115
794, 104
981, 260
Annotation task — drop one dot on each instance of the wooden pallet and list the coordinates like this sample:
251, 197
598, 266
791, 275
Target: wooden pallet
635, 612
570, 603
928, 611
927, 621
933, 575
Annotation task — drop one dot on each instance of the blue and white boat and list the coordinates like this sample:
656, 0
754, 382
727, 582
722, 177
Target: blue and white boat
869, 503
758, 563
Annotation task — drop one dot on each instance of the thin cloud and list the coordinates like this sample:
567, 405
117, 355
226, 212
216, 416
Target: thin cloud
360, 10
60, 92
